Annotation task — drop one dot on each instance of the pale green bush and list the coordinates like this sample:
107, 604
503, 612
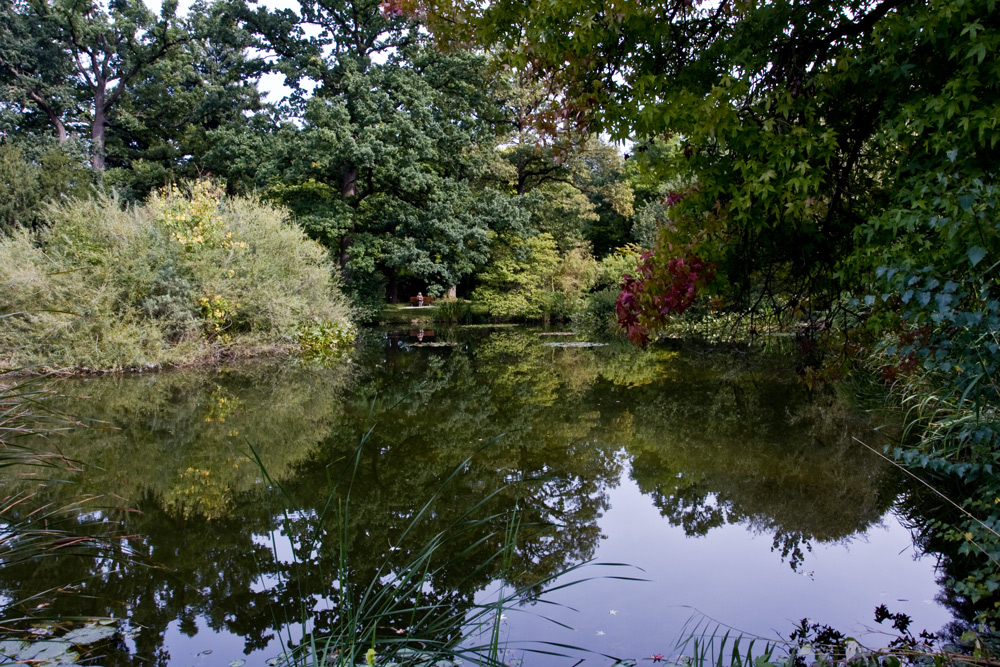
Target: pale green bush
185, 277
530, 279
596, 314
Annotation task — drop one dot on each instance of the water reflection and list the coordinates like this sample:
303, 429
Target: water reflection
510, 423
752, 449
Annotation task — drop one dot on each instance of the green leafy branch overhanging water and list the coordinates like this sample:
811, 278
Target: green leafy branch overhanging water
941, 310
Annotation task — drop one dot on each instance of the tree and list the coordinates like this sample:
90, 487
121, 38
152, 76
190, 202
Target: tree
35, 174
182, 110
794, 118
73, 59
387, 167
35, 70
577, 179
835, 155
529, 278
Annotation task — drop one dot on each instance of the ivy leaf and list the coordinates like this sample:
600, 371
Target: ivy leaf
976, 254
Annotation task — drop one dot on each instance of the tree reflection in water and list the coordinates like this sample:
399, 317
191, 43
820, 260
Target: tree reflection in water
710, 445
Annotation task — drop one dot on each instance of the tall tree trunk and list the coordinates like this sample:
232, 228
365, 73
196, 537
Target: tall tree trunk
347, 189
347, 186
393, 285
97, 129
346, 241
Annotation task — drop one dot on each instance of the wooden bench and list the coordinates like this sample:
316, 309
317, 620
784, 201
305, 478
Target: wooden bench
427, 299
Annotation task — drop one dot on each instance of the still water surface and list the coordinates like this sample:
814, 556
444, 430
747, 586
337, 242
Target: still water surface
732, 491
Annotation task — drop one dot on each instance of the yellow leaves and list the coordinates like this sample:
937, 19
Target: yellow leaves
620, 196
194, 219
221, 407
218, 311
198, 491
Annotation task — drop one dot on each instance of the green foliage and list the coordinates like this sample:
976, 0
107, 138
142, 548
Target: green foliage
35, 71
178, 117
529, 279
786, 145
940, 312
826, 152
72, 62
20, 195
708, 644
385, 162
152, 96
165, 283
596, 315
325, 340
455, 311
935, 251
654, 214
366, 292
573, 185
33, 175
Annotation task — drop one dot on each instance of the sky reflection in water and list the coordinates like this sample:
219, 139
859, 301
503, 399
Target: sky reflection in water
700, 470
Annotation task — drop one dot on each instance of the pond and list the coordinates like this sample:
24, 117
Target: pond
223, 503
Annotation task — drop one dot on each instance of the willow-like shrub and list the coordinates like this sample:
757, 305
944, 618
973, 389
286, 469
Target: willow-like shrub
184, 278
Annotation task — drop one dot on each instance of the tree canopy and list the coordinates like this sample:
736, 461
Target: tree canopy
796, 122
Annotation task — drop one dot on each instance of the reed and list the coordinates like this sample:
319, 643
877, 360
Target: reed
31, 531
388, 618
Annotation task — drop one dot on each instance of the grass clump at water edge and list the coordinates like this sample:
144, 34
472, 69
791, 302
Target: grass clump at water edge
707, 643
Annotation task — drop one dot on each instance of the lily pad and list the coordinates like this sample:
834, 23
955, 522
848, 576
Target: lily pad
48, 651
576, 344
12, 647
89, 634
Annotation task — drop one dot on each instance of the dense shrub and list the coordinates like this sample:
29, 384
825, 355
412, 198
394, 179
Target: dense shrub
34, 173
596, 315
184, 277
529, 279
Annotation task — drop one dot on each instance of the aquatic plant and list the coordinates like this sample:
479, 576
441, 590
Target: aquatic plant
324, 340
708, 643
393, 617
454, 311
28, 532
